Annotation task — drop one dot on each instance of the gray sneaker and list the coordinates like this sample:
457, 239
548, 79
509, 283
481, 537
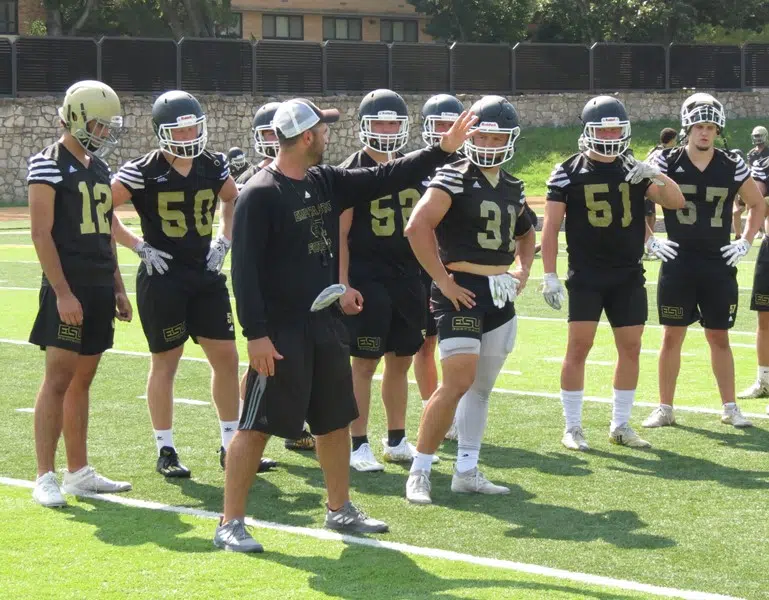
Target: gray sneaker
234, 537
350, 519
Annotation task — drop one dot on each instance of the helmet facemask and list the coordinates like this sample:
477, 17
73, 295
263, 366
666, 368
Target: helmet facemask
759, 136
103, 137
262, 146
490, 156
238, 161
429, 134
384, 142
706, 110
607, 147
184, 148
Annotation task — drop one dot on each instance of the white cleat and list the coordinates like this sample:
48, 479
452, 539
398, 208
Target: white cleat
734, 417
662, 416
403, 452
418, 488
88, 481
574, 439
452, 434
759, 389
363, 460
473, 482
625, 436
47, 492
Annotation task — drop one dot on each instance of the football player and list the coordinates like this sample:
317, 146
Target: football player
466, 231
601, 195
700, 284
438, 115
759, 299
384, 297
667, 140
175, 189
760, 150
70, 207
238, 163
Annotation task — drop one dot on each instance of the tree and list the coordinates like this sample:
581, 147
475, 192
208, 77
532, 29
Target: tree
476, 20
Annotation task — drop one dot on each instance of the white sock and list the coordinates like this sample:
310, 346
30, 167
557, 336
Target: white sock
763, 374
467, 459
426, 402
228, 429
623, 405
164, 437
572, 407
422, 462
729, 406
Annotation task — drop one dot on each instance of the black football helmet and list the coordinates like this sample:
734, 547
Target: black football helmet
441, 107
702, 108
603, 112
236, 158
495, 115
263, 124
176, 110
383, 105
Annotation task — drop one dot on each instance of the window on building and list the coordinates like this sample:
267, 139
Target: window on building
339, 28
9, 20
283, 27
234, 30
399, 31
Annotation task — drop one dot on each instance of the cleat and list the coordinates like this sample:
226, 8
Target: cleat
47, 492
351, 519
734, 417
625, 436
306, 441
662, 416
403, 452
760, 389
473, 482
574, 439
363, 460
168, 464
88, 481
418, 488
233, 537
266, 464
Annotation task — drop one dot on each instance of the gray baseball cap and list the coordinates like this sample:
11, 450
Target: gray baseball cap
297, 115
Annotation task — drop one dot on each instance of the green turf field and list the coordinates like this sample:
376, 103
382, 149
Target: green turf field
690, 514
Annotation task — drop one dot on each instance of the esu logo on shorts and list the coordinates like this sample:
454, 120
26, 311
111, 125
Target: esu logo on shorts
70, 333
471, 324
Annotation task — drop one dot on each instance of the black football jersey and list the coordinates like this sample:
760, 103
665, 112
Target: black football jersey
760, 170
704, 225
605, 226
755, 155
177, 212
378, 247
238, 172
483, 221
243, 178
82, 219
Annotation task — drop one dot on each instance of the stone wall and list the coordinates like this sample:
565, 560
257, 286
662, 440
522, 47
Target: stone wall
29, 124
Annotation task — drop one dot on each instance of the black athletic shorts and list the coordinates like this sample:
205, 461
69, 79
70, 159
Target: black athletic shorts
431, 327
312, 382
759, 298
620, 293
392, 318
696, 289
469, 322
183, 303
94, 336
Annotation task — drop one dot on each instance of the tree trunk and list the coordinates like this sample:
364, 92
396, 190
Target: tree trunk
89, 6
53, 22
193, 13
171, 17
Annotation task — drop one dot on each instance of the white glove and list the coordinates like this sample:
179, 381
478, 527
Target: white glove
218, 251
152, 257
662, 248
734, 252
504, 289
553, 291
328, 296
638, 171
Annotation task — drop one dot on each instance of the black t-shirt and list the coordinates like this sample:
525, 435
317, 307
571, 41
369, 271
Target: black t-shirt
286, 233
605, 226
378, 247
483, 221
704, 225
177, 212
82, 220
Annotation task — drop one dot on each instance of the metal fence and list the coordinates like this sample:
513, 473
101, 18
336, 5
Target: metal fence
40, 65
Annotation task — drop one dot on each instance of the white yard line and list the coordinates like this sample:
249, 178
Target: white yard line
436, 553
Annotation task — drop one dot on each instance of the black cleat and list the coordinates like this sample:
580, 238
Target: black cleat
305, 442
169, 465
267, 464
